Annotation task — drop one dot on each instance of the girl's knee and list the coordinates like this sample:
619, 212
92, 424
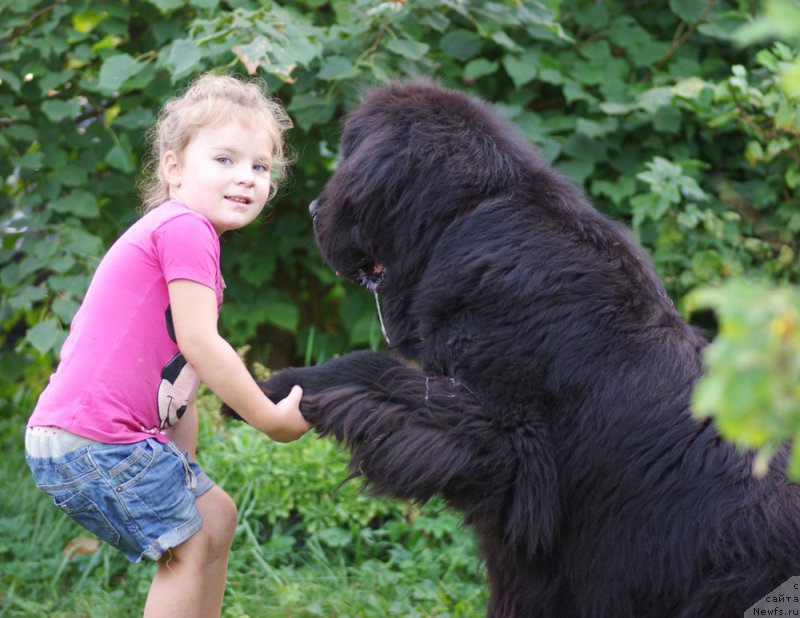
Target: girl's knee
228, 518
192, 552
229, 507
220, 516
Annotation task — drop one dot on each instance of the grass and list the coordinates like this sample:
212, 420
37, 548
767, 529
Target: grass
305, 545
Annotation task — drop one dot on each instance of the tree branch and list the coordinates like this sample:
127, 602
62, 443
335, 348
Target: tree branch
20, 29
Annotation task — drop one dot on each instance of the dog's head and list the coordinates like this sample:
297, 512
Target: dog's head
415, 157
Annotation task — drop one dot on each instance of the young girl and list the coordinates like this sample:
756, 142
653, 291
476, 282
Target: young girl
113, 435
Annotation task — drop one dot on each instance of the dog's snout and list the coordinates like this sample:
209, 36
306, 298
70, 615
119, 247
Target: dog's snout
312, 209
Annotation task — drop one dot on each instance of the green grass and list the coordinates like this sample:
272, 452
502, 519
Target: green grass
305, 545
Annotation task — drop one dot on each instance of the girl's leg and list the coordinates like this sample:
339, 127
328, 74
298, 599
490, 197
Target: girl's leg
177, 588
190, 579
219, 514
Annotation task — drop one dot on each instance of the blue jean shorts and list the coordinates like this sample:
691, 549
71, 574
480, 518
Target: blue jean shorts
139, 498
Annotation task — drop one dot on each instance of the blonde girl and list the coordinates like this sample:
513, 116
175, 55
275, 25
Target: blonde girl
113, 436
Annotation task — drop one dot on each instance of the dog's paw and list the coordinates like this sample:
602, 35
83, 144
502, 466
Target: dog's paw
278, 386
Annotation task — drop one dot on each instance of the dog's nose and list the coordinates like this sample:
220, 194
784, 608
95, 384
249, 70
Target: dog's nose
312, 209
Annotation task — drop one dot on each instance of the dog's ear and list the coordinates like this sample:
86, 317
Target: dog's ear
534, 516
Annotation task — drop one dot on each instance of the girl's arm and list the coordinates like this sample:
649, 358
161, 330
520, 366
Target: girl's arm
194, 316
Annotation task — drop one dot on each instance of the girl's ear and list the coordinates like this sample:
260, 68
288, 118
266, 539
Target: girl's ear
171, 168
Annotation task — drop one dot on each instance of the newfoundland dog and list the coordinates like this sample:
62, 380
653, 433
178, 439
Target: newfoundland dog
539, 378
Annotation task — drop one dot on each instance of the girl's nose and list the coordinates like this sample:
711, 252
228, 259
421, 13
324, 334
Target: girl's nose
245, 174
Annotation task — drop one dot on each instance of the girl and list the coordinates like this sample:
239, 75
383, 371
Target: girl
113, 435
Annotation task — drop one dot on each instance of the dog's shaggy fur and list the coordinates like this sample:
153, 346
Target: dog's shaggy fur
551, 400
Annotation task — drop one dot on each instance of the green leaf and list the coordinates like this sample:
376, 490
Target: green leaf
655, 98
792, 176
726, 28
167, 6
252, 53
790, 82
478, 68
381, 72
596, 129
688, 10
64, 309
184, 57
593, 16
73, 285
115, 71
461, 44
44, 336
62, 263
30, 160
667, 120
309, 110
618, 109
26, 296
87, 21
502, 39
521, 68
336, 68
578, 170
283, 315
793, 468
299, 49
648, 205
616, 191
120, 156
691, 88
780, 20
754, 152
436, 21
9, 78
57, 110
80, 203
587, 73
408, 48
335, 537
573, 91
73, 174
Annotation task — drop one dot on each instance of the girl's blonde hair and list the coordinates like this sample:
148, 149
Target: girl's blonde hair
210, 100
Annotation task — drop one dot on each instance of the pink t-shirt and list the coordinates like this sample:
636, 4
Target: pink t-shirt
121, 378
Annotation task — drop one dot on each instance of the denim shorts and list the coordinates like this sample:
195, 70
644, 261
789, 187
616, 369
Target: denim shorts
139, 498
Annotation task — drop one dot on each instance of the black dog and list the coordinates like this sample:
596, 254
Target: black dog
551, 400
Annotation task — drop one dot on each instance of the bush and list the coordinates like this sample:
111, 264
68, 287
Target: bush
669, 125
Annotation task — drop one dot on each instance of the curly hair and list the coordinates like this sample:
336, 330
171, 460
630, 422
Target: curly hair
211, 100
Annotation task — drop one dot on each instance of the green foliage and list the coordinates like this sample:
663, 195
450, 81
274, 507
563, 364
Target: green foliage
753, 382
751, 385
305, 545
660, 115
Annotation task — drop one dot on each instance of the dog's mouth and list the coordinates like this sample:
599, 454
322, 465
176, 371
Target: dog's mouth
370, 276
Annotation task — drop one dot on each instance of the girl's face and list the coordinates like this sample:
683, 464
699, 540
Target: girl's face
223, 174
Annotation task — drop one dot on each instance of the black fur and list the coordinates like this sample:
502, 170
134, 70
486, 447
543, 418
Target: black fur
551, 400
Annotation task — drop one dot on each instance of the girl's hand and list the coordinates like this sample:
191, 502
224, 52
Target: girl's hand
292, 424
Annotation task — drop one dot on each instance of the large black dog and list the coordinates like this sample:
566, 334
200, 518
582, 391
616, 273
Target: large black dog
547, 377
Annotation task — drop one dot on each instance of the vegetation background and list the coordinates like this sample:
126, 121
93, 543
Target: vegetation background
678, 117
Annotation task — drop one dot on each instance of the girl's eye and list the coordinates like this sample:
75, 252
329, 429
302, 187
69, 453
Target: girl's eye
225, 160
261, 168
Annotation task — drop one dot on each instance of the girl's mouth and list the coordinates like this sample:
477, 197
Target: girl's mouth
239, 199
